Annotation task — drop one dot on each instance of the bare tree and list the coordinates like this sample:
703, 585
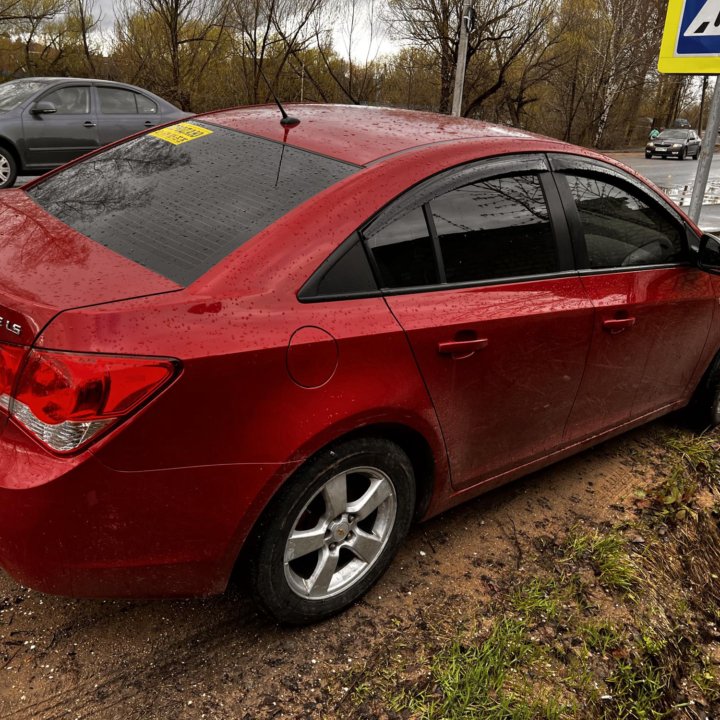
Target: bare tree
268, 33
168, 44
519, 36
353, 67
83, 11
502, 29
612, 45
29, 19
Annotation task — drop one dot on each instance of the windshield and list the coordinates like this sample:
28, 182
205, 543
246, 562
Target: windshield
673, 135
181, 198
16, 92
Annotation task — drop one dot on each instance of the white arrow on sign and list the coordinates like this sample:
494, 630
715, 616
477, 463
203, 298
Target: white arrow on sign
707, 21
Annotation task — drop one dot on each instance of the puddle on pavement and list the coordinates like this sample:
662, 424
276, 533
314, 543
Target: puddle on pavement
681, 194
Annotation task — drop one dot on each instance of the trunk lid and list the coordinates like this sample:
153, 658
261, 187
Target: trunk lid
47, 267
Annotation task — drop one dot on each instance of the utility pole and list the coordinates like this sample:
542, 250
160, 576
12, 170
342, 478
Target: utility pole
707, 150
702, 104
467, 25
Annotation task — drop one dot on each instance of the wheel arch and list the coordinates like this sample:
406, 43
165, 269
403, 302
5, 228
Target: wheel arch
415, 446
414, 443
9, 145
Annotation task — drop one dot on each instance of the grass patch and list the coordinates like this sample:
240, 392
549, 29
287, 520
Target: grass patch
594, 626
607, 553
692, 464
601, 636
484, 678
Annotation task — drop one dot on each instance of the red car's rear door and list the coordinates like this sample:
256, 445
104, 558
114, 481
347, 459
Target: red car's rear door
653, 308
478, 270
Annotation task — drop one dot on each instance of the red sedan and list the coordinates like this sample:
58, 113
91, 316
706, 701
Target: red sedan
229, 334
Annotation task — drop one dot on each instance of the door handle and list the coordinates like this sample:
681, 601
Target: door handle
460, 349
617, 325
89, 123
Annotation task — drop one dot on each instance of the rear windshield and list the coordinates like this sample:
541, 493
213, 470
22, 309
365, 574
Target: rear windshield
178, 200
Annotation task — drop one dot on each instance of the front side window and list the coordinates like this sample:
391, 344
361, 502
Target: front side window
496, 228
621, 229
74, 100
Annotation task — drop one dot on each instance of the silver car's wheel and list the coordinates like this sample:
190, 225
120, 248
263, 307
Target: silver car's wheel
8, 170
332, 530
339, 534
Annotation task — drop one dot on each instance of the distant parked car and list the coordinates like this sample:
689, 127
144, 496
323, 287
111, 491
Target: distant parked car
677, 143
45, 122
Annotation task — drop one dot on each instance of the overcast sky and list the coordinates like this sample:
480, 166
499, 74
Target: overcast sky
361, 51
108, 15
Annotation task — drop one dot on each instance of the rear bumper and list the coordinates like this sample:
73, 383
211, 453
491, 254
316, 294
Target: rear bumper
72, 526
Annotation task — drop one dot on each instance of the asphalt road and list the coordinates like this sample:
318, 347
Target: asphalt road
676, 178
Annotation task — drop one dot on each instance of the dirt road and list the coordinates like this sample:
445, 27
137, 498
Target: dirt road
217, 658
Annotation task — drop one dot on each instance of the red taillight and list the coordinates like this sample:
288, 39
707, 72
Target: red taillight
66, 399
10, 358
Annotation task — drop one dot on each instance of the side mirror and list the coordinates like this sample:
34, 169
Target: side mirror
708, 258
44, 107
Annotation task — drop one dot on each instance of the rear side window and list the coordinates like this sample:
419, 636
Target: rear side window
145, 105
621, 229
117, 101
180, 199
497, 228
403, 252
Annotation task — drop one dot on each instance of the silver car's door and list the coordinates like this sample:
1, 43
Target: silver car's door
123, 112
53, 138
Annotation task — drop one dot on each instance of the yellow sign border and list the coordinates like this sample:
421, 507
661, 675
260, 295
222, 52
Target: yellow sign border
669, 61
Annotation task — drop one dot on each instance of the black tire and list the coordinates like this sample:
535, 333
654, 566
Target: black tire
648, 155
704, 409
681, 154
695, 156
8, 169
295, 591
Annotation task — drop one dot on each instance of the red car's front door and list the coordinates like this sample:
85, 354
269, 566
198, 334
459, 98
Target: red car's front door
482, 281
653, 309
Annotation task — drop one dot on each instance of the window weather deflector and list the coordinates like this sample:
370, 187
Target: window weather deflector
464, 174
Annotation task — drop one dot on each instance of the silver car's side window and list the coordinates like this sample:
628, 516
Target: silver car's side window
116, 101
70, 100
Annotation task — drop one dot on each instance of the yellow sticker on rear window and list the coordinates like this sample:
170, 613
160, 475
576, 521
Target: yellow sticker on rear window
181, 133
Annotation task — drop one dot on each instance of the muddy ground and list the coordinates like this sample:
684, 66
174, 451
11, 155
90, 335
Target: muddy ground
218, 658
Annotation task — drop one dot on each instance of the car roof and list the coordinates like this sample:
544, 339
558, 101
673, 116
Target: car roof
361, 134
63, 80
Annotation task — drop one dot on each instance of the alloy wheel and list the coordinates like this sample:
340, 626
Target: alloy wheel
340, 533
4, 169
